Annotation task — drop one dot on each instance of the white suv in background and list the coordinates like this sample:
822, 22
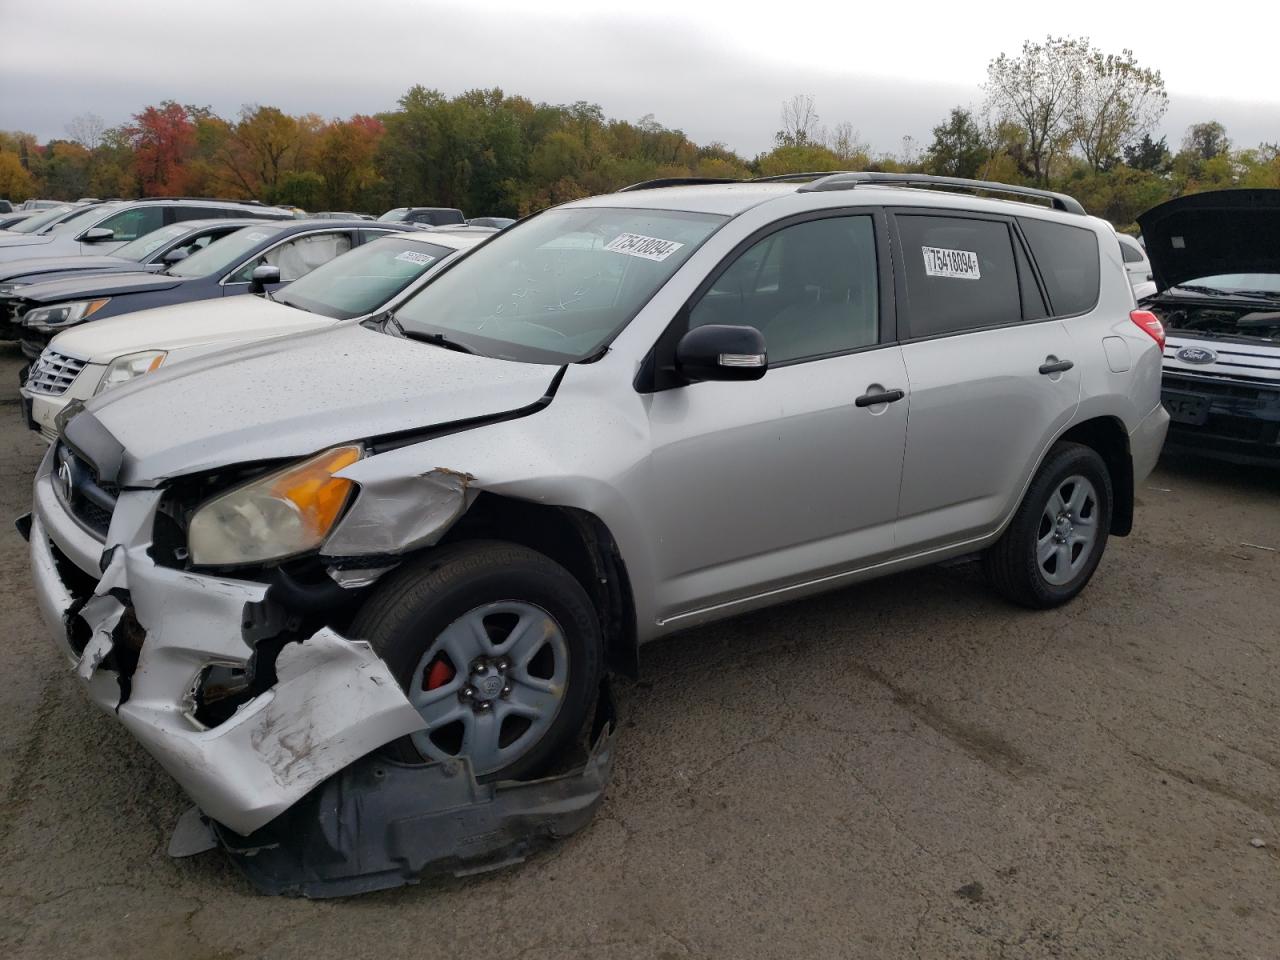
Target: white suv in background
89, 359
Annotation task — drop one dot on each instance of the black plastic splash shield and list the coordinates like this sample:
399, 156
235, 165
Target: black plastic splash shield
381, 824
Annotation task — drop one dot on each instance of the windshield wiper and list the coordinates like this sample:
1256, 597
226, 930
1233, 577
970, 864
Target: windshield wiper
1194, 288
435, 339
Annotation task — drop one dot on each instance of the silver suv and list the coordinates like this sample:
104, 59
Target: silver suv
432, 532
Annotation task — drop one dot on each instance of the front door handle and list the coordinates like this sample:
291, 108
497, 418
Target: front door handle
884, 396
1056, 366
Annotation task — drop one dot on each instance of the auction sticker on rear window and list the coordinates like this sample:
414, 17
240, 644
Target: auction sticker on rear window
413, 256
638, 245
957, 264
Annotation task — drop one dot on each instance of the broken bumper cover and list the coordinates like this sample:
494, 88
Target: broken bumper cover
334, 700
382, 824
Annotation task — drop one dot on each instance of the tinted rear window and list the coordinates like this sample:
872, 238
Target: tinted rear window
1068, 261
960, 274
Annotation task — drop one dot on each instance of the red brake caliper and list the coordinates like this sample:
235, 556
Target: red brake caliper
440, 673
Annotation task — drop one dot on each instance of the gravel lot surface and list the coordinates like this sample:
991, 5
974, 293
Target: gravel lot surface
903, 768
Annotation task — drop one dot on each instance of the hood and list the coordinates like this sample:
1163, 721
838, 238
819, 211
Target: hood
11, 238
96, 285
30, 270
186, 326
294, 396
1224, 231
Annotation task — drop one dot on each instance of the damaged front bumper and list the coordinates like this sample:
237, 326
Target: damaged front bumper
141, 637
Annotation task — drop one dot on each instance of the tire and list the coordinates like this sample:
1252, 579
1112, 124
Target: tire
1036, 569
470, 601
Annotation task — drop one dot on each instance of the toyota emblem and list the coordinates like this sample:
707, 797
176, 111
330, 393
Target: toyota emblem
65, 479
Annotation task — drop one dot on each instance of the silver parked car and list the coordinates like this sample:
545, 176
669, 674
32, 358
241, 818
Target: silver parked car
431, 532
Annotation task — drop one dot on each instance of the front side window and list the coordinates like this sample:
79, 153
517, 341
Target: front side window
147, 244
225, 253
1068, 260
811, 289
297, 257
131, 224
364, 279
959, 275
558, 287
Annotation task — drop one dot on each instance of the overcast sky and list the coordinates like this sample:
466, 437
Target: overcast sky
717, 70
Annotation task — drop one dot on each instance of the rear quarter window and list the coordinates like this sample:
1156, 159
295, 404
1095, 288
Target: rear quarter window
960, 274
1068, 260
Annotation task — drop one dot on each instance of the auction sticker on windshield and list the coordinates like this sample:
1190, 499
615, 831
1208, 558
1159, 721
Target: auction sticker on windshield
957, 264
413, 256
638, 245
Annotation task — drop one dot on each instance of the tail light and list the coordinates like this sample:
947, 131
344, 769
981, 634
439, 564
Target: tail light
1150, 325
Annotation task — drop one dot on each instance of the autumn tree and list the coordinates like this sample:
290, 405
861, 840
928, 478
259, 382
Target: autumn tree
1038, 91
1116, 101
162, 139
800, 123
16, 182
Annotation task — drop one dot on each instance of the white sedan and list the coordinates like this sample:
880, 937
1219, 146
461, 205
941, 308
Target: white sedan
94, 357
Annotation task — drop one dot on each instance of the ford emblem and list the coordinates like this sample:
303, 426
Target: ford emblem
1196, 355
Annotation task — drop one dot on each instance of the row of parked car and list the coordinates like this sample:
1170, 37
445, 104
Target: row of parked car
384, 487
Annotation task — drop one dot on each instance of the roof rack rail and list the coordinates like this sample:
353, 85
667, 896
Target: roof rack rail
796, 177
678, 182
847, 181
252, 203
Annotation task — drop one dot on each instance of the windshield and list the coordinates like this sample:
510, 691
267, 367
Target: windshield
363, 280
33, 223
149, 243
82, 221
223, 254
558, 287
1250, 284
395, 215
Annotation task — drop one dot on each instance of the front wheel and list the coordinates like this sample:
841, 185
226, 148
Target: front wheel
1055, 540
497, 646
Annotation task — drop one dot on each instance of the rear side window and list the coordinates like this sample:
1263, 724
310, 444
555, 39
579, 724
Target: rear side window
1131, 254
1068, 260
960, 274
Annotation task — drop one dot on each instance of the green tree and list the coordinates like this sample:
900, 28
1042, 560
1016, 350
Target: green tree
959, 147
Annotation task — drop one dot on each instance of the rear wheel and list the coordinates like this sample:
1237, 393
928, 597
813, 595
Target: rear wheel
497, 647
1056, 539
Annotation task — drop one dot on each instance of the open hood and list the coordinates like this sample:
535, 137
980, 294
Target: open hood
1205, 234
76, 287
294, 396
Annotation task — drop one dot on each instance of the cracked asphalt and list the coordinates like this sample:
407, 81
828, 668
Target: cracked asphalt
908, 768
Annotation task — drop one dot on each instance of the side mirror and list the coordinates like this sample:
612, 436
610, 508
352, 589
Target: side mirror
262, 276
177, 254
98, 235
722, 352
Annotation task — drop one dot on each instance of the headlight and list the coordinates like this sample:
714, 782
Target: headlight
123, 369
53, 318
280, 515
8, 289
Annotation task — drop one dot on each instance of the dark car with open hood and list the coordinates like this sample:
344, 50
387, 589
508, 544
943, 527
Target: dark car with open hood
1215, 258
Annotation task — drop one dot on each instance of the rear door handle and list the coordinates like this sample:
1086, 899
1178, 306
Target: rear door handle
885, 396
1057, 366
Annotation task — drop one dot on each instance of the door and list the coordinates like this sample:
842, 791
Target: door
991, 375
295, 257
761, 485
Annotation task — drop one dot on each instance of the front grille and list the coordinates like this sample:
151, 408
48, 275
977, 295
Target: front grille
53, 373
90, 501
